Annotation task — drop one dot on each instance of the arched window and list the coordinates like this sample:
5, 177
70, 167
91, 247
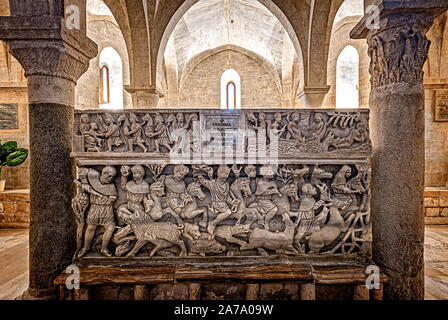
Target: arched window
230, 90
231, 95
111, 79
104, 85
347, 78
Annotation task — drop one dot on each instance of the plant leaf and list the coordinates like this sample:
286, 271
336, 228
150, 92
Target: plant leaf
9, 147
17, 157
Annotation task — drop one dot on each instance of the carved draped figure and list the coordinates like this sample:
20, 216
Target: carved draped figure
101, 212
219, 192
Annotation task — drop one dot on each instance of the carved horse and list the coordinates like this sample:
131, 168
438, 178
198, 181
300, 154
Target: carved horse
290, 191
157, 191
331, 230
190, 207
319, 174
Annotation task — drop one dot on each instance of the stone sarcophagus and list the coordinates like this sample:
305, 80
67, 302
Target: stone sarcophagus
158, 185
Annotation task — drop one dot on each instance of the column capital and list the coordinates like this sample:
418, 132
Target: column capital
399, 49
313, 96
45, 47
144, 97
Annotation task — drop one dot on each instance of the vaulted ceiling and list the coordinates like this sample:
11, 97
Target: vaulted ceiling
242, 23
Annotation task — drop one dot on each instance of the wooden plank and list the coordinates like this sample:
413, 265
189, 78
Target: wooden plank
342, 275
116, 276
265, 273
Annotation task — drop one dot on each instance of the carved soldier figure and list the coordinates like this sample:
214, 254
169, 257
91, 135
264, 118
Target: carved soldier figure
84, 123
161, 134
103, 194
137, 190
112, 134
148, 129
341, 188
266, 188
306, 219
220, 197
176, 195
92, 138
135, 134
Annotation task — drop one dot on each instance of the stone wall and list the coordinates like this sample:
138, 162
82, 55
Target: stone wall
13, 90
436, 70
106, 33
15, 209
436, 205
339, 40
202, 87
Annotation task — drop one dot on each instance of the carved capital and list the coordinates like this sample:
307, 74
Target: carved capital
45, 47
398, 50
144, 97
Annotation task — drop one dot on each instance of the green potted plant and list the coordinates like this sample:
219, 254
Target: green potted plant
11, 156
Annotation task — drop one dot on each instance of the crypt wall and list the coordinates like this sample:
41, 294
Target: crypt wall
436, 83
104, 30
13, 94
340, 39
259, 86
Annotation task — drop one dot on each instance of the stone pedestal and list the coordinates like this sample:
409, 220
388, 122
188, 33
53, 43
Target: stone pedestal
398, 51
53, 58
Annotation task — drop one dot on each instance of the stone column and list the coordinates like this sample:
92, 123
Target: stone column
53, 58
398, 51
144, 97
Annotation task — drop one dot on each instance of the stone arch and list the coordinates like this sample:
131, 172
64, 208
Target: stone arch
132, 28
253, 71
195, 61
157, 63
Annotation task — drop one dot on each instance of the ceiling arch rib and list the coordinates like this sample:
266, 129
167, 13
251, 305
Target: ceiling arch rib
271, 12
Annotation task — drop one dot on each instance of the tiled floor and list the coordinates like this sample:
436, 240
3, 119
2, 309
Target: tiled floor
14, 263
436, 262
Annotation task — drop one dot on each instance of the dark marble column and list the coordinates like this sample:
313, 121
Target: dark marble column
398, 51
53, 58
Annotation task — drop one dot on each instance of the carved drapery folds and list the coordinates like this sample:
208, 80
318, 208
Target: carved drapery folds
134, 200
398, 50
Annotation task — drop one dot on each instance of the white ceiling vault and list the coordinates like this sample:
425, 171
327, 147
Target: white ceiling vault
247, 24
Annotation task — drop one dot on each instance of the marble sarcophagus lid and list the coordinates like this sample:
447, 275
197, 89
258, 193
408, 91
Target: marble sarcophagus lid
170, 184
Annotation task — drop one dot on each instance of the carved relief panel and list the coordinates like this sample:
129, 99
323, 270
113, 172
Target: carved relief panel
134, 200
296, 134
245, 210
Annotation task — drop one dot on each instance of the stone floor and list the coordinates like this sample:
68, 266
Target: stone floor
436, 263
14, 263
